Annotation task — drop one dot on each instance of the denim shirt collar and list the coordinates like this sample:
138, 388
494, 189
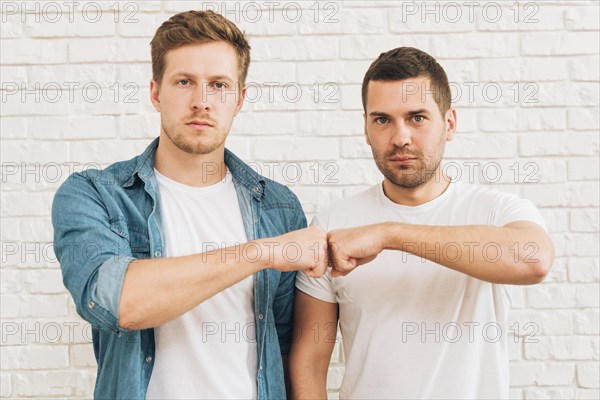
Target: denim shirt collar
242, 174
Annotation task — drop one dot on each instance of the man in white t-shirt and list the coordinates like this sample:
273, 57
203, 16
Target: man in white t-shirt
419, 262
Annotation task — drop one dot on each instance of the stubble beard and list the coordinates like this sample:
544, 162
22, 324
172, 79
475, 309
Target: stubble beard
420, 172
200, 143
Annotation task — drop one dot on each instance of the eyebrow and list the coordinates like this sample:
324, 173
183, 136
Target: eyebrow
210, 78
411, 113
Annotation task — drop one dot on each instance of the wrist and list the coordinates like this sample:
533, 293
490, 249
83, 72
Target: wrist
390, 235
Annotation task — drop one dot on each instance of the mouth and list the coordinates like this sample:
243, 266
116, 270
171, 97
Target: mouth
200, 124
403, 159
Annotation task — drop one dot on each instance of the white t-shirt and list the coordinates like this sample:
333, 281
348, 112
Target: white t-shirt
412, 328
210, 351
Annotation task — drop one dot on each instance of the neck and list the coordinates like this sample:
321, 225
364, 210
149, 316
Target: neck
418, 195
196, 170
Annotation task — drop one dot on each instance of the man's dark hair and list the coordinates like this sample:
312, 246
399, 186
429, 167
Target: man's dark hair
407, 62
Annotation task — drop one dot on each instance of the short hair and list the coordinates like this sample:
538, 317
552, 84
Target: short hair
407, 62
193, 27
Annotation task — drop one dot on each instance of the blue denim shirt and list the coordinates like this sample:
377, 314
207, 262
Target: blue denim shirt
104, 219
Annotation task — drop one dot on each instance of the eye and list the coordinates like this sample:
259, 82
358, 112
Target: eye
219, 85
183, 82
381, 120
418, 118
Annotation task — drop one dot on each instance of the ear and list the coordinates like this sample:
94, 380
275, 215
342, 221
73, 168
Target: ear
365, 129
240, 101
154, 95
450, 122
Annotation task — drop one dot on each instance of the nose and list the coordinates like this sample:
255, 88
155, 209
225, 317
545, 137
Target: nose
201, 98
402, 135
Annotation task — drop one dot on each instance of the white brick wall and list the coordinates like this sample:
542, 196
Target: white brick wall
65, 106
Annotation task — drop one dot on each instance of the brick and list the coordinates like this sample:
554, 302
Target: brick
571, 94
13, 77
90, 127
553, 44
529, 324
319, 72
10, 281
89, 23
563, 348
96, 151
53, 383
10, 306
279, 72
26, 204
586, 322
296, 149
482, 45
430, 18
556, 295
557, 219
583, 244
138, 74
588, 375
549, 393
355, 147
11, 27
582, 18
351, 98
336, 20
556, 374
44, 281
35, 357
489, 146
141, 126
82, 355
330, 123
362, 47
293, 49
5, 384
19, 152
583, 118
33, 51
138, 24
498, 120
555, 144
13, 128
585, 69
522, 17
583, 169
589, 394
583, 269
558, 273
539, 69
76, 76
265, 123
524, 374
45, 99
293, 96
44, 305
585, 220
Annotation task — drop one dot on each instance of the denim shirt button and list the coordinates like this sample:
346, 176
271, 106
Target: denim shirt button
157, 254
260, 316
91, 304
148, 359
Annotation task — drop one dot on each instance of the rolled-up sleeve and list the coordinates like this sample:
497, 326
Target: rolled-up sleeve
93, 257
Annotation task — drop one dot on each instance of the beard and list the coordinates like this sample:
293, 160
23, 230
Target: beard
412, 175
195, 142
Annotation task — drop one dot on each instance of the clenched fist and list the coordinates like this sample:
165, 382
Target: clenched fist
301, 250
351, 247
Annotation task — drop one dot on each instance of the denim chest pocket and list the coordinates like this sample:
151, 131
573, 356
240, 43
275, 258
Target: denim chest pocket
137, 237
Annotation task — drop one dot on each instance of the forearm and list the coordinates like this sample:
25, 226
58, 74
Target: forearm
156, 291
308, 384
493, 254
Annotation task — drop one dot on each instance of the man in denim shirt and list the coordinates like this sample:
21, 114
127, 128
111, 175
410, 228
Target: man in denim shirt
168, 255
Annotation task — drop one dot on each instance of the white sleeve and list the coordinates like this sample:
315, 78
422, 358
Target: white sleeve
509, 208
319, 288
